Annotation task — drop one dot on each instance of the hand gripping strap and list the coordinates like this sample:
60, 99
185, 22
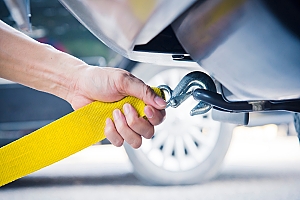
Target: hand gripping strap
60, 138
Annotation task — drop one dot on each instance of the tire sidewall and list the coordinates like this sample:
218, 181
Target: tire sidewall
152, 174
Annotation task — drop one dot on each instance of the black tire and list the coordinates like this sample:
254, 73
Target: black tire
297, 124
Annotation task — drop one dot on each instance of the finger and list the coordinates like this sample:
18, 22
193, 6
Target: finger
112, 134
138, 124
127, 133
154, 116
135, 87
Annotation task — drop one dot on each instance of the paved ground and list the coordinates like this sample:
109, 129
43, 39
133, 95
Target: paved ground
259, 165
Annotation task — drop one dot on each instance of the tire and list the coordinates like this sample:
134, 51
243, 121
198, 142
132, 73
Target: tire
184, 149
297, 124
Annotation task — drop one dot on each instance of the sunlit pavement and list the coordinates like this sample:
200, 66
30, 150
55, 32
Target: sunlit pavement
260, 164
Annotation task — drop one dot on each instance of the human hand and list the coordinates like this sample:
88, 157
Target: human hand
44, 68
109, 85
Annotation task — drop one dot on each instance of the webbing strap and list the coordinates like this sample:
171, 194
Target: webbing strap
60, 139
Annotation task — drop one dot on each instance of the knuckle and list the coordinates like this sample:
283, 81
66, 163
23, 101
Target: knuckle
158, 119
112, 135
136, 143
132, 122
154, 121
122, 126
149, 134
118, 142
108, 130
113, 138
148, 90
125, 79
123, 75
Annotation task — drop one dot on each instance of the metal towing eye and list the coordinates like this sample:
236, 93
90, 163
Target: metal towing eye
202, 88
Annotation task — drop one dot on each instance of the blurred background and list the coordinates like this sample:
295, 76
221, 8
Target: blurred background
53, 24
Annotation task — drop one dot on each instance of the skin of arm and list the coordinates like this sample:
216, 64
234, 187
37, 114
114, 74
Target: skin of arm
42, 67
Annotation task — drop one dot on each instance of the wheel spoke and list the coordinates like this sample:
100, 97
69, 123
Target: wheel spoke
190, 145
179, 148
197, 135
168, 147
159, 139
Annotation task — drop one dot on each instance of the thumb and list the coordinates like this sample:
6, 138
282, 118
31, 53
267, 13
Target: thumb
137, 88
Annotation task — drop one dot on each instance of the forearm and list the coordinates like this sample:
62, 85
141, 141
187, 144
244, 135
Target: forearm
36, 65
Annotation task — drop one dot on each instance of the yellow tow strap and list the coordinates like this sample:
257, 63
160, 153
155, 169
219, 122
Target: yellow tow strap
60, 139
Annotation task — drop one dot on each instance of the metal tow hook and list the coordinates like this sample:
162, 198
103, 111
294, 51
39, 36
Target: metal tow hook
184, 89
202, 88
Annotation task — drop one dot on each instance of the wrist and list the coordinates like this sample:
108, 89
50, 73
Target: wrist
54, 71
65, 75
37, 65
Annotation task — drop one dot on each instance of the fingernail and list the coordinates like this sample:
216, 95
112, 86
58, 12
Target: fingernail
149, 112
117, 114
126, 108
159, 101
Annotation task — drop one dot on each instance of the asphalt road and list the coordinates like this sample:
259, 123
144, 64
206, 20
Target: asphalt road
258, 165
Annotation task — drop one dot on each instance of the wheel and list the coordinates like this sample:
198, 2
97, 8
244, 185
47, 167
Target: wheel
184, 149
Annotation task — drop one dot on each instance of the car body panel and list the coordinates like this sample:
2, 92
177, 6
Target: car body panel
122, 25
246, 48
240, 43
